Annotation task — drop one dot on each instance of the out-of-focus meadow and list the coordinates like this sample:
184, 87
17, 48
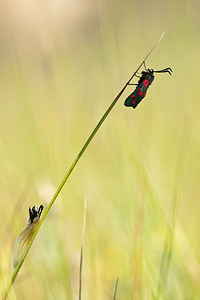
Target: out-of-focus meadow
61, 65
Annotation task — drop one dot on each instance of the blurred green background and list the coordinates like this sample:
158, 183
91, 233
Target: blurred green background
62, 63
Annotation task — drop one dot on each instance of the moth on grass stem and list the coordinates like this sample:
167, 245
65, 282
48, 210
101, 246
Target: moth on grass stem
24, 237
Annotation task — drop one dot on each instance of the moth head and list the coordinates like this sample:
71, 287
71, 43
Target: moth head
150, 71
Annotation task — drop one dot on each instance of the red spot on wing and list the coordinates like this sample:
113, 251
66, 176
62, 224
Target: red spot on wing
146, 82
140, 93
133, 97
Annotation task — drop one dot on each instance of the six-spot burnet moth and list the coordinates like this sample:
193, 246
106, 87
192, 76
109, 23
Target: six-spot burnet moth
142, 86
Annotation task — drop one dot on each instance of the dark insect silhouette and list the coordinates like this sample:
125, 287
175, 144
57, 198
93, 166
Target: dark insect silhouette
142, 86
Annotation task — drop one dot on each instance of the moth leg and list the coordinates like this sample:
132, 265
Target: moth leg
144, 65
138, 75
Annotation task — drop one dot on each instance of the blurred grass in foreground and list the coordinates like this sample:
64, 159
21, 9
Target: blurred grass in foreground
55, 83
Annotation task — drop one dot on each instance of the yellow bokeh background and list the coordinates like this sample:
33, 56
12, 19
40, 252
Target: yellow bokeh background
61, 65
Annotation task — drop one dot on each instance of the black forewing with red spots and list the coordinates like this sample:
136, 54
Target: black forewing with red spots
143, 84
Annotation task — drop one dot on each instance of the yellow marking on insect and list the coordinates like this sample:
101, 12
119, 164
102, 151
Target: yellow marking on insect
23, 239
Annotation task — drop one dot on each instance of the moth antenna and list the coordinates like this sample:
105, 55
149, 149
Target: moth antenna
166, 70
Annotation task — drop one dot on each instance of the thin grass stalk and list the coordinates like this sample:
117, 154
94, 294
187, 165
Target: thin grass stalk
73, 166
115, 293
81, 256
